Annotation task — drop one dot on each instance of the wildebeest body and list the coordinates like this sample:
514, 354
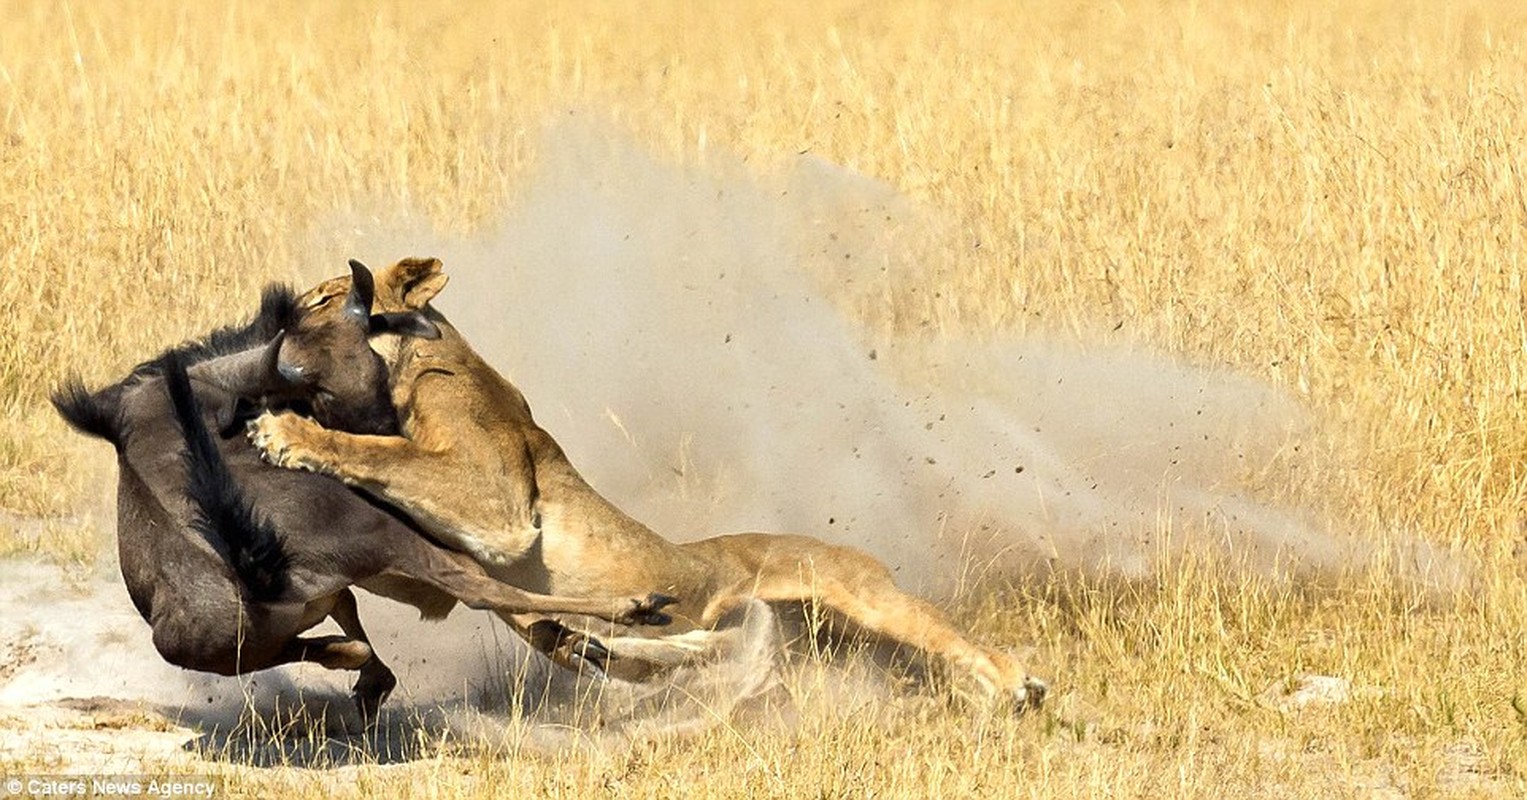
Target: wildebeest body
230, 560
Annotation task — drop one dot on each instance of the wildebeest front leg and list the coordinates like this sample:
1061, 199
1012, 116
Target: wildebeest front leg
464, 579
329, 652
376, 681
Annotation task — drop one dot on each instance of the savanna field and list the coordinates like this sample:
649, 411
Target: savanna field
1327, 198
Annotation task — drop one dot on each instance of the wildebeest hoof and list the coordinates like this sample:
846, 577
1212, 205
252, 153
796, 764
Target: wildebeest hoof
586, 652
648, 610
371, 691
1031, 695
573, 649
587, 662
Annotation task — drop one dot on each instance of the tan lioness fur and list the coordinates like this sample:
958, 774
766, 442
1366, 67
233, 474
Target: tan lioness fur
474, 469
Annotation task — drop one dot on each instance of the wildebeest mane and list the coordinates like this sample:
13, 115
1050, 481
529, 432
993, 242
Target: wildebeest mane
220, 510
278, 310
99, 413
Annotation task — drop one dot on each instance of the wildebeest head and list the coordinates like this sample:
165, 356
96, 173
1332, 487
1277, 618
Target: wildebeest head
326, 357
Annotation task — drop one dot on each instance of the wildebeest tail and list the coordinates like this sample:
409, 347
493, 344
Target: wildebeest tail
98, 415
220, 510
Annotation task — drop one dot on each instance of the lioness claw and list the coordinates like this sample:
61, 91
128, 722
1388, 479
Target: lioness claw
274, 436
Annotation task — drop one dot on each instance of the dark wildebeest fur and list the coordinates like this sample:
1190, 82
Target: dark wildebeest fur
231, 560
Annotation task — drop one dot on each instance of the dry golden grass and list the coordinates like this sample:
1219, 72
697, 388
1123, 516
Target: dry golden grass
1328, 196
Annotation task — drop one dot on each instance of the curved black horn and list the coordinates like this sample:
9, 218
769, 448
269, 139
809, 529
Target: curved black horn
362, 292
270, 361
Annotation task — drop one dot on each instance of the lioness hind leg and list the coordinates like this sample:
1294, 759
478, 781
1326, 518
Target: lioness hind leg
670, 650
861, 590
579, 650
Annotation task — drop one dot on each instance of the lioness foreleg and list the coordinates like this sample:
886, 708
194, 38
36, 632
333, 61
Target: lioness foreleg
293, 441
496, 522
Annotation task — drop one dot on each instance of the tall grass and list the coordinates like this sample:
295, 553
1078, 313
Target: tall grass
1328, 196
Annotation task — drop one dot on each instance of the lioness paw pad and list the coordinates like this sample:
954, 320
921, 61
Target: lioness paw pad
275, 435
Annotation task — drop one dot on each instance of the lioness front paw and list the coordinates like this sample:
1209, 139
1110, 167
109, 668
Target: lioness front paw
279, 439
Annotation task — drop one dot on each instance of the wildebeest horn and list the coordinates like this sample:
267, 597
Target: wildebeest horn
247, 373
270, 362
362, 292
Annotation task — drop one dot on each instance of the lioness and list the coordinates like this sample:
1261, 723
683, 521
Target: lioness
474, 469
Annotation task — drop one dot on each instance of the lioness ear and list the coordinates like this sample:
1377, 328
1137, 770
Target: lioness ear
419, 294
417, 280
406, 323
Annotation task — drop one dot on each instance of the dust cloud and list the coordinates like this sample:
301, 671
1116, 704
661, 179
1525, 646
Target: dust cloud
675, 328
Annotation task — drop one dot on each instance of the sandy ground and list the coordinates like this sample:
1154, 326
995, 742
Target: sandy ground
82, 689
82, 692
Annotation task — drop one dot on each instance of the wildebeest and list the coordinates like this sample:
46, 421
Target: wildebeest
231, 560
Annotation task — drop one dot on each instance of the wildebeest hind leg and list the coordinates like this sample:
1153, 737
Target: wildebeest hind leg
330, 652
376, 681
567, 648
